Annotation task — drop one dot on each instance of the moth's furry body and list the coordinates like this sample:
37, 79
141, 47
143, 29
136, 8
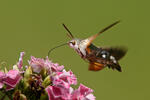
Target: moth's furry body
98, 58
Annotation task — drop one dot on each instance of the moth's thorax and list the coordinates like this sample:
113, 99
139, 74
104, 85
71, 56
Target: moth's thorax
79, 46
83, 45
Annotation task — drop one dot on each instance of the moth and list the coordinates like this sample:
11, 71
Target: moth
98, 57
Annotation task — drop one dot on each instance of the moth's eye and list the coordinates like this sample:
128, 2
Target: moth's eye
73, 43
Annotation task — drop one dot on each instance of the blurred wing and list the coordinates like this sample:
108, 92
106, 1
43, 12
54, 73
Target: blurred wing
112, 55
117, 52
115, 66
100, 64
103, 30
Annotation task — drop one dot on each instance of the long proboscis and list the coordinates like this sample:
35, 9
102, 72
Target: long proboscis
70, 34
55, 48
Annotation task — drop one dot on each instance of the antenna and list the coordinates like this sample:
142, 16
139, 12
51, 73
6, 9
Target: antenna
106, 28
70, 34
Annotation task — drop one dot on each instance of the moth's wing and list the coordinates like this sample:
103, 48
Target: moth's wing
115, 66
113, 54
98, 63
117, 52
94, 66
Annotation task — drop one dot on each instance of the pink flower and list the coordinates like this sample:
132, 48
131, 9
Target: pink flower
54, 67
37, 64
64, 79
12, 79
48, 77
2, 75
61, 93
58, 93
20, 63
83, 93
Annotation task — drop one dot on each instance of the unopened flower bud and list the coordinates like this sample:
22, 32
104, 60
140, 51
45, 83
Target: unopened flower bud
46, 81
28, 72
15, 67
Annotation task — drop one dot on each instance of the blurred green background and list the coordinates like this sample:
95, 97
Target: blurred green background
34, 26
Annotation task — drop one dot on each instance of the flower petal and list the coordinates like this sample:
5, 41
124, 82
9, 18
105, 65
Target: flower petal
37, 64
2, 75
64, 79
83, 93
20, 63
58, 93
12, 78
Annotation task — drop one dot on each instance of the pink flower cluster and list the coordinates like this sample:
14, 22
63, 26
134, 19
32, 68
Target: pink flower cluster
62, 81
53, 77
61, 93
39, 64
10, 79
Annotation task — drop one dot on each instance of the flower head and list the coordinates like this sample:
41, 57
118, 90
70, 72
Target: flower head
64, 79
54, 67
12, 78
83, 93
40, 78
58, 93
37, 64
2, 75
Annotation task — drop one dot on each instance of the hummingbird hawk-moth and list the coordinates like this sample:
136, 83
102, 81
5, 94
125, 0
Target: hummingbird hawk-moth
98, 57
